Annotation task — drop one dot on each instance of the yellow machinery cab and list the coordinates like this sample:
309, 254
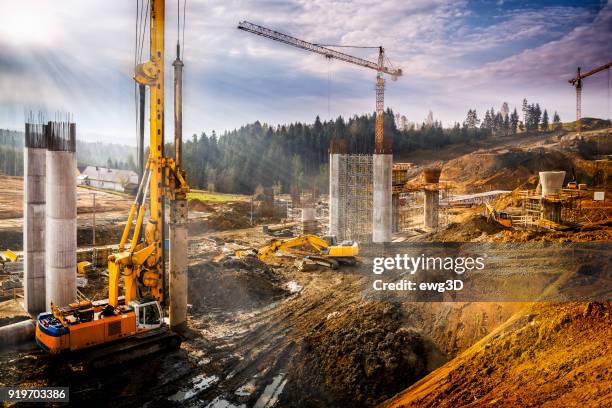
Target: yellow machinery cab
88, 324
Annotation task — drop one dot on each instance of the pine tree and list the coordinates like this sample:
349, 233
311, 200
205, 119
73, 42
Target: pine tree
544, 124
557, 122
514, 119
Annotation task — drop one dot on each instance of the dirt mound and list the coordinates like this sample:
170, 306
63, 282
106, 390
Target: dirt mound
358, 359
472, 228
503, 169
227, 221
235, 284
201, 206
555, 355
599, 232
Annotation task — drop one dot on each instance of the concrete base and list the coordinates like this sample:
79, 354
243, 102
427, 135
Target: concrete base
382, 217
431, 203
61, 228
34, 230
335, 212
178, 261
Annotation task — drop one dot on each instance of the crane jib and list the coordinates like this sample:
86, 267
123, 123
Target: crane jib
305, 45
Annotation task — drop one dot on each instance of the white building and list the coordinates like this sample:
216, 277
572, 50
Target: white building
110, 179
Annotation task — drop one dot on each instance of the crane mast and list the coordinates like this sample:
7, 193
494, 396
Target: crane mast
330, 53
577, 82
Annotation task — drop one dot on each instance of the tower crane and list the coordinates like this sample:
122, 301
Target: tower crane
577, 82
379, 67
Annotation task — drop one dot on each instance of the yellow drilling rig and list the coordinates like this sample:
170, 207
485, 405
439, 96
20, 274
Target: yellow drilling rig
129, 326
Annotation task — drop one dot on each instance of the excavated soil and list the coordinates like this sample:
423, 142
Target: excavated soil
474, 227
358, 358
551, 355
233, 285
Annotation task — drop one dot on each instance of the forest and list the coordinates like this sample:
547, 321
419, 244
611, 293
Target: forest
295, 156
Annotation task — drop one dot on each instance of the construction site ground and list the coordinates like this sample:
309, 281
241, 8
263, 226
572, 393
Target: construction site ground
268, 334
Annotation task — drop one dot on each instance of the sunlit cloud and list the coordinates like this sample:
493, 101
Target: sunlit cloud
78, 56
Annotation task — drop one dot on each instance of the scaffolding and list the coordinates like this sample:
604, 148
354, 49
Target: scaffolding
355, 196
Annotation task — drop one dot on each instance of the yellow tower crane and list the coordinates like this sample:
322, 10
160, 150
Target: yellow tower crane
329, 53
577, 82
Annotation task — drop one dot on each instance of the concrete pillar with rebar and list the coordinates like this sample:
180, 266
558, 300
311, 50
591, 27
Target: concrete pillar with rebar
60, 214
34, 157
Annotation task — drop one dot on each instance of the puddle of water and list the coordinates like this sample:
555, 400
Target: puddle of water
200, 383
270, 395
294, 287
221, 403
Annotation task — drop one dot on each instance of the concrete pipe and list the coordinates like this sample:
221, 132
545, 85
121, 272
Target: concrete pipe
17, 335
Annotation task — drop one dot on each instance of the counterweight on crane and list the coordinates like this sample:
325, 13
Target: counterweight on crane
330, 53
577, 82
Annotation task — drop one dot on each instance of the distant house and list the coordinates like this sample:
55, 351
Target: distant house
124, 181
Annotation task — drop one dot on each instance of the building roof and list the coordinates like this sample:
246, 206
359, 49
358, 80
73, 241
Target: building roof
110, 175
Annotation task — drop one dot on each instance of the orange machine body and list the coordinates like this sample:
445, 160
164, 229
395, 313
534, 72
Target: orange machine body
84, 325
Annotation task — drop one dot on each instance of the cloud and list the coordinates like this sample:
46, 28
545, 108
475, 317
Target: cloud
79, 58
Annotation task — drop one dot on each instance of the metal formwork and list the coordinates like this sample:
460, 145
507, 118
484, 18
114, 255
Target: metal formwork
355, 196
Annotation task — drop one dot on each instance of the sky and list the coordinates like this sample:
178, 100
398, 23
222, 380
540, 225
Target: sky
78, 56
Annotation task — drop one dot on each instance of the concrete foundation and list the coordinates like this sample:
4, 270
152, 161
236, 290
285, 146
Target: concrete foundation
431, 204
34, 219
61, 223
334, 195
381, 211
178, 265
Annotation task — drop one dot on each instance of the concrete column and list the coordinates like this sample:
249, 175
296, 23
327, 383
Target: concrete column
396, 212
178, 257
431, 203
334, 196
309, 220
61, 222
178, 265
551, 211
382, 175
34, 219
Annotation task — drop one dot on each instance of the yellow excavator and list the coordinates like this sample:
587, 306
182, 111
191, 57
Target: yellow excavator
128, 326
312, 249
7, 256
501, 217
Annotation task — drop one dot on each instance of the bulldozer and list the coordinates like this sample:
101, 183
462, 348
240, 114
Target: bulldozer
312, 250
